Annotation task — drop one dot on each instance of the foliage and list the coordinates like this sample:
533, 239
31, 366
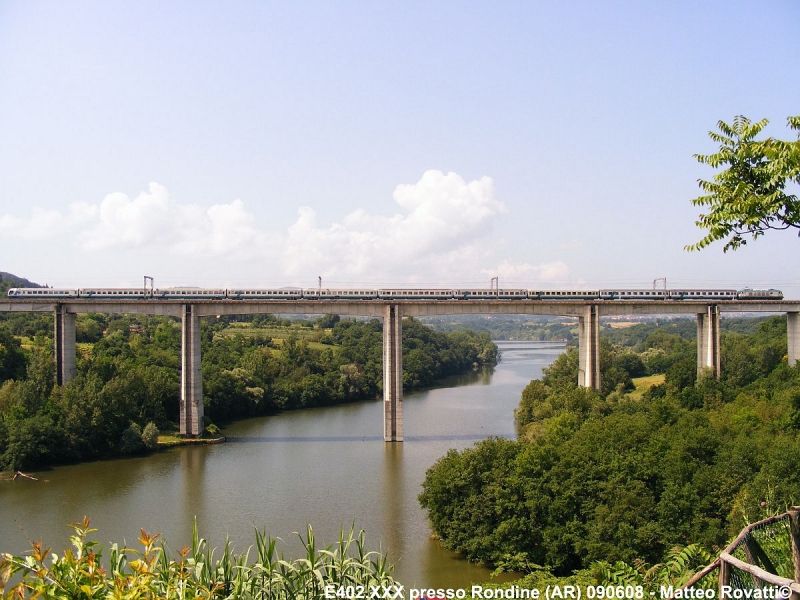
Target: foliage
155, 572
749, 196
678, 567
607, 476
510, 327
131, 442
12, 359
131, 376
150, 436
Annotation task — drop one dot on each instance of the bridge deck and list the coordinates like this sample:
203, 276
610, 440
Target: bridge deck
416, 308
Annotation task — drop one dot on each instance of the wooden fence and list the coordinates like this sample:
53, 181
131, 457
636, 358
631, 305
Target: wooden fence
764, 555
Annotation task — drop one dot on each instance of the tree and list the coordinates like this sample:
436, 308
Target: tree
150, 436
749, 196
12, 359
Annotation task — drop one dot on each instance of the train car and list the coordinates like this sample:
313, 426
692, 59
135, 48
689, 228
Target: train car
750, 294
189, 294
618, 294
563, 294
115, 293
490, 294
702, 294
264, 294
415, 294
41, 293
329, 294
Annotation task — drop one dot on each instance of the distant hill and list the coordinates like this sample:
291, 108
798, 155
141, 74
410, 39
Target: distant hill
7, 280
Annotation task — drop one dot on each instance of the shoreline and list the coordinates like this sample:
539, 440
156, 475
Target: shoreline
171, 442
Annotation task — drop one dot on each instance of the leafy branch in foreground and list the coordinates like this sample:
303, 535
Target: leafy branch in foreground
749, 196
680, 564
81, 573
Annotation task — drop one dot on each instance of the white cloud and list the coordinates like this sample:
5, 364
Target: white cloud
46, 224
552, 272
442, 231
446, 219
155, 220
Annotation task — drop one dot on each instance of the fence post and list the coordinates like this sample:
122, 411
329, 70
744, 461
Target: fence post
724, 575
794, 527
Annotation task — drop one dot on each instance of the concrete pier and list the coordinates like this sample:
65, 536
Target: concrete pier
587, 313
708, 355
64, 344
191, 409
392, 373
589, 347
793, 334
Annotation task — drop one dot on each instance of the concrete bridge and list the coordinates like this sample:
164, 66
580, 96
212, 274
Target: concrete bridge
392, 312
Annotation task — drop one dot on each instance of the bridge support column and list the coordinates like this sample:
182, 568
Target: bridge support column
392, 374
589, 348
793, 334
708, 340
191, 376
64, 345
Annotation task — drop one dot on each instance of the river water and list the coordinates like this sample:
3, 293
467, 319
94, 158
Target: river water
326, 467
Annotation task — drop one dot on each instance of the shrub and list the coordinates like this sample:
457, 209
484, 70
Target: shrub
131, 441
150, 436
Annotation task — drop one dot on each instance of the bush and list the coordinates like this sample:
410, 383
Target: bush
150, 436
131, 441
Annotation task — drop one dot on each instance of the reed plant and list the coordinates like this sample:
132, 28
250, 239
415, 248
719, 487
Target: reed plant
154, 571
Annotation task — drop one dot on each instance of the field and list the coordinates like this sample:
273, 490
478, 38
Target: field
278, 334
645, 383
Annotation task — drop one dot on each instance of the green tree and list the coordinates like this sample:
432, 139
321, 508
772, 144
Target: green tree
749, 196
12, 359
150, 436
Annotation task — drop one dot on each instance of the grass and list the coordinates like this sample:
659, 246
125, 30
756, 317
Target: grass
166, 440
279, 332
278, 335
645, 383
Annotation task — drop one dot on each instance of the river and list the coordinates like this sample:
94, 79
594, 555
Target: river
328, 467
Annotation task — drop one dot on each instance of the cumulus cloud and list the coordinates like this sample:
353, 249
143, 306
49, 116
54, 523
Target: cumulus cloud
46, 224
442, 230
552, 272
151, 220
443, 215
155, 220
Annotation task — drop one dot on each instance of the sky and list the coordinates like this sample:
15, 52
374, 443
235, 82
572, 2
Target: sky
422, 144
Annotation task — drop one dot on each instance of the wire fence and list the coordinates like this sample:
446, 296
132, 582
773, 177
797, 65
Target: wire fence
762, 562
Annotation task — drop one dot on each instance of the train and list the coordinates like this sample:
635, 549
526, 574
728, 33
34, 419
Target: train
189, 293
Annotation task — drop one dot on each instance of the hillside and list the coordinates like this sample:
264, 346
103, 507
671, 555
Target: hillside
8, 280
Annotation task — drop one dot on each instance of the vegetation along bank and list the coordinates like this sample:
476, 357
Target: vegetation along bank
630, 472
127, 386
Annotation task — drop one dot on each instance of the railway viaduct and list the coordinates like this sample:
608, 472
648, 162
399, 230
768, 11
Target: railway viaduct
392, 312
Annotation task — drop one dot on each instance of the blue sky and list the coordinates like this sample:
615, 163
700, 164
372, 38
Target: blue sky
375, 143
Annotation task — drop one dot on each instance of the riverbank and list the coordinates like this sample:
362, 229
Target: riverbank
325, 466
171, 441
164, 442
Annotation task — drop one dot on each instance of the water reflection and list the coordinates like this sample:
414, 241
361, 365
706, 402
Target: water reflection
328, 467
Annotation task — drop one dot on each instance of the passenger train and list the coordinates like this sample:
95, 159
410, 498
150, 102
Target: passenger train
187, 293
